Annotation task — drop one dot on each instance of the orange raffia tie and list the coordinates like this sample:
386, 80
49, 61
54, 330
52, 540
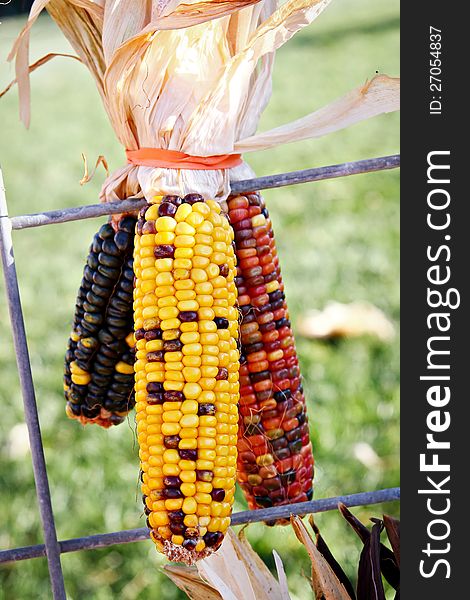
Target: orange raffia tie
171, 159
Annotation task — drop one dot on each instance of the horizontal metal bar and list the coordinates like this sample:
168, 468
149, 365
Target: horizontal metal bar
249, 516
248, 185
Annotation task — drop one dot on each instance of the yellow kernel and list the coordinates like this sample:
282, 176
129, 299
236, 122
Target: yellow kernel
206, 443
201, 208
174, 503
152, 212
190, 337
208, 338
189, 407
207, 327
184, 253
184, 241
214, 206
195, 219
81, 379
164, 532
191, 520
171, 428
189, 505
184, 284
185, 327
212, 271
187, 476
170, 324
180, 274
165, 224
188, 433
210, 361
184, 210
187, 465
171, 456
198, 275
207, 454
204, 487
192, 349
208, 383
208, 421
207, 432
204, 250
168, 312
183, 228
188, 489
164, 290
203, 510
171, 334
207, 397
147, 239
216, 509
177, 539
188, 305
258, 220
168, 301
188, 444
189, 420
171, 469
164, 237
149, 300
205, 300
192, 361
204, 465
174, 366
206, 314
202, 498
200, 262
172, 416
164, 264
209, 371
191, 374
176, 386
158, 519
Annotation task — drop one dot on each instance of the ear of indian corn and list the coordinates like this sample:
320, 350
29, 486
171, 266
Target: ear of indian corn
275, 460
186, 372
99, 372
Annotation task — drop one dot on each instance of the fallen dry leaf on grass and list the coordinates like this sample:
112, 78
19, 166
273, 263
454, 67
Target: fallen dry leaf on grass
338, 320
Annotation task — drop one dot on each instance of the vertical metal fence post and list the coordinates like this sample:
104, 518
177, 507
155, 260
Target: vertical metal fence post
29, 400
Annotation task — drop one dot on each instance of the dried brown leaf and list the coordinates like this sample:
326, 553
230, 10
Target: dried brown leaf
325, 584
334, 564
388, 564
369, 577
392, 527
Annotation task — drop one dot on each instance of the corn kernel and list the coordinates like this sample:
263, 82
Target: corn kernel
188, 489
189, 505
187, 476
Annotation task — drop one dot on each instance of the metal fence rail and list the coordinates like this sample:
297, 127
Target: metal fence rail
52, 548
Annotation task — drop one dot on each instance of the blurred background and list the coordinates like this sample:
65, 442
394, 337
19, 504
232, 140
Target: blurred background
337, 240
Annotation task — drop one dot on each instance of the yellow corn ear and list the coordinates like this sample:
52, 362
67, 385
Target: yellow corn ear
186, 372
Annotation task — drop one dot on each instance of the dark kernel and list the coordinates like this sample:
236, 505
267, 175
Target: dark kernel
173, 396
176, 515
171, 441
212, 538
164, 251
155, 386
156, 356
186, 316
222, 374
167, 209
193, 198
149, 227
187, 454
155, 398
221, 322
172, 493
177, 528
172, 346
176, 200
172, 481
218, 494
206, 409
190, 543
153, 334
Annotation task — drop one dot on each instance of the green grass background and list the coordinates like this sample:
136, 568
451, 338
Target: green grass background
337, 240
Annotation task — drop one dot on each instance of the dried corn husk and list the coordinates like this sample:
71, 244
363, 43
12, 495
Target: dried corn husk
192, 77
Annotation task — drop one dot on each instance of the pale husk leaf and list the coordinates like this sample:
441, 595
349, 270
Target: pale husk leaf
325, 584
